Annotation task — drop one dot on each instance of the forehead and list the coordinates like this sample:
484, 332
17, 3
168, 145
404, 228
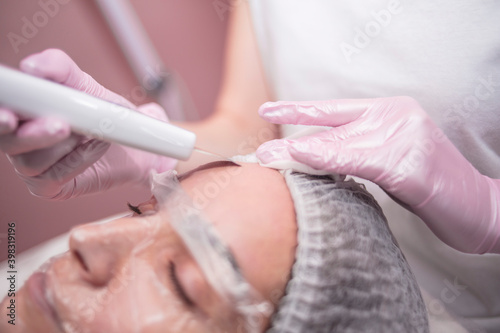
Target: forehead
252, 211
226, 185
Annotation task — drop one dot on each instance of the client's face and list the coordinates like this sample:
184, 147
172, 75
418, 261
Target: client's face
135, 274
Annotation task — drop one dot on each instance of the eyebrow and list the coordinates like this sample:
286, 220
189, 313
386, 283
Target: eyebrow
207, 166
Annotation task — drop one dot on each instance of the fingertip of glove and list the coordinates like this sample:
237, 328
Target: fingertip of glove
265, 153
272, 151
57, 127
8, 121
53, 64
265, 108
29, 65
262, 155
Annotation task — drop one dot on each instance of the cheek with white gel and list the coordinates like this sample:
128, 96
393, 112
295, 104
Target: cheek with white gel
134, 301
138, 297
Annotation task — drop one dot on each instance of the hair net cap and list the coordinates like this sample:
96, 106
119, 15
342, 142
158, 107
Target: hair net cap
349, 274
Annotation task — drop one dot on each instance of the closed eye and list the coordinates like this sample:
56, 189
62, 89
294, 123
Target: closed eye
146, 208
177, 286
134, 209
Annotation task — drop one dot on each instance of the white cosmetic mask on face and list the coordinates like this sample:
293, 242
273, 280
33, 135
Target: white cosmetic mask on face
137, 297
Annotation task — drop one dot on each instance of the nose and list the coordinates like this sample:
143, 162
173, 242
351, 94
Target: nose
101, 249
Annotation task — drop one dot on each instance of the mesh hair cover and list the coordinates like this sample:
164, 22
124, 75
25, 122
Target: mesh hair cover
349, 274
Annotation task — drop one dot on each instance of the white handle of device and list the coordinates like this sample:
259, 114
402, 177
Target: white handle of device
92, 116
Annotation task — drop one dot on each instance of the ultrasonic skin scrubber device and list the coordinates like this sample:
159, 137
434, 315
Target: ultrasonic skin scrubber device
88, 115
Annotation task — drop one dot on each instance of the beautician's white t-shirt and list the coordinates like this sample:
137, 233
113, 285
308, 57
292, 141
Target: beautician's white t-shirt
446, 55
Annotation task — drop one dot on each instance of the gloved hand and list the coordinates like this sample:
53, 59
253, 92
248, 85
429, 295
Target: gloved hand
57, 164
394, 143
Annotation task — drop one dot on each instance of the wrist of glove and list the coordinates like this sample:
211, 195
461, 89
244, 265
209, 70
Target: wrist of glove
462, 210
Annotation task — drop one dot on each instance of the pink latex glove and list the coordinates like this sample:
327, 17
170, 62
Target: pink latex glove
57, 164
394, 143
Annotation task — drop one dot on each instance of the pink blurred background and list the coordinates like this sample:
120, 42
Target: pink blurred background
189, 36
